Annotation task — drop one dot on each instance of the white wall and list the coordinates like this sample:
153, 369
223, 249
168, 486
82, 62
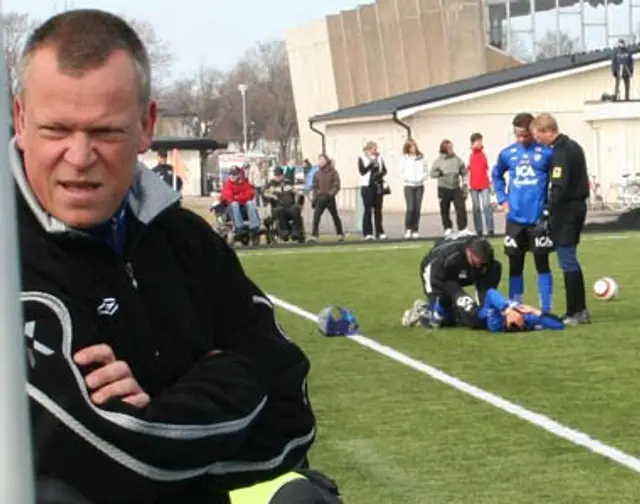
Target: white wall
314, 89
610, 145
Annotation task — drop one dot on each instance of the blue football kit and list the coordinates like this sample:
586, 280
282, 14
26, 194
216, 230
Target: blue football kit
490, 315
526, 193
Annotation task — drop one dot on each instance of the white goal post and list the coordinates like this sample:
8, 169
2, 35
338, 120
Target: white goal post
16, 471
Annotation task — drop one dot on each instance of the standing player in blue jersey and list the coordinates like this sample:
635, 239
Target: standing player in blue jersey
524, 202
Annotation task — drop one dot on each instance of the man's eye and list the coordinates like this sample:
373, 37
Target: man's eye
107, 134
55, 130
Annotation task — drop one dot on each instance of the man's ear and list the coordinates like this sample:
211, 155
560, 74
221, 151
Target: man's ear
18, 119
149, 120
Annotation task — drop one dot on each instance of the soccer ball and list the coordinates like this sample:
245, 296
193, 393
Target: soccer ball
605, 288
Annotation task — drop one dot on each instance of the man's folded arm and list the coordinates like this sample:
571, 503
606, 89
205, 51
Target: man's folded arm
202, 419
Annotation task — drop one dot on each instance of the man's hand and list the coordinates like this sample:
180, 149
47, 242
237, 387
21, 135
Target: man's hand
505, 207
523, 308
112, 378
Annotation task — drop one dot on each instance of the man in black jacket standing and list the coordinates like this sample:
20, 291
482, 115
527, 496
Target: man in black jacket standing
147, 385
167, 172
622, 68
567, 210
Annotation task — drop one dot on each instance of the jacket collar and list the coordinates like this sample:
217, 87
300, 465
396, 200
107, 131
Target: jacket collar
148, 197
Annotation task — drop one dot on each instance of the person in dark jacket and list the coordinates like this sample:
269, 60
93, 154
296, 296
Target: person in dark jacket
622, 68
372, 171
286, 206
166, 171
567, 208
146, 384
326, 185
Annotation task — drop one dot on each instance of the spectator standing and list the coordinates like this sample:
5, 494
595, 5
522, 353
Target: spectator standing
258, 180
372, 170
450, 170
413, 170
480, 186
326, 185
622, 68
166, 171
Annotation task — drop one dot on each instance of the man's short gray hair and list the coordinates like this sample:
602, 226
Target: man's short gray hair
84, 40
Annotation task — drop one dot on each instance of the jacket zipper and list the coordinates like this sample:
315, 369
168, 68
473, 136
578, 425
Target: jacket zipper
128, 267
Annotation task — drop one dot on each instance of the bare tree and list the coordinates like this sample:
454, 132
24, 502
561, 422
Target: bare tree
16, 28
160, 55
272, 68
229, 124
198, 96
553, 44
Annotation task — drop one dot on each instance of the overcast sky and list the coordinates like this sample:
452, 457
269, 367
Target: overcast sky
214, 32
217, 32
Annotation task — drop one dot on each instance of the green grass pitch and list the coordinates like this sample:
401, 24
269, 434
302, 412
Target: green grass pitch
390, 434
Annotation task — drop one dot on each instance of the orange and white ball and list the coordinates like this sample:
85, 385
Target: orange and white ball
605, 288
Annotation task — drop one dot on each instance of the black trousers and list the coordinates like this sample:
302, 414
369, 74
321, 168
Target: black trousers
289, 221
455, 196
626, 81
325, 202
413, 200
372, 199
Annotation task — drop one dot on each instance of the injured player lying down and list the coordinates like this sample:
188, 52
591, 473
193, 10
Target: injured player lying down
453, 264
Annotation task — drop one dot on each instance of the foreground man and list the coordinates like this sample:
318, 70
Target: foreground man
147, 383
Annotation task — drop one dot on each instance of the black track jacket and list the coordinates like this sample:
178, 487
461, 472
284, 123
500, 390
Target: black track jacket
215, 422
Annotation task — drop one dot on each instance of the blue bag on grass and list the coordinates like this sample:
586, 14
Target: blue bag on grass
337, 321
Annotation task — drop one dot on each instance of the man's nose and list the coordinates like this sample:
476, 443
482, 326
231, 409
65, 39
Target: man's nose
80, 152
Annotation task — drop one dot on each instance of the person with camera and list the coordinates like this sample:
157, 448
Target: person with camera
372, 171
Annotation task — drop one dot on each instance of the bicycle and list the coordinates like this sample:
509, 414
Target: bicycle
626, 194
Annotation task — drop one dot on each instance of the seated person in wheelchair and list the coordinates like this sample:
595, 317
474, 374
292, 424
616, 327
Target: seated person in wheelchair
237, 195
286, 206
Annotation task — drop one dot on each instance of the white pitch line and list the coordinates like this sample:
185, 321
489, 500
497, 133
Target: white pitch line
544, 422
334, 249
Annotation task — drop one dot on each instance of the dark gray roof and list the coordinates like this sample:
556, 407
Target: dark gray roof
186, 143
462, 87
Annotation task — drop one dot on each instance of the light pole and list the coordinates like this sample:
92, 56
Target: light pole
243, 91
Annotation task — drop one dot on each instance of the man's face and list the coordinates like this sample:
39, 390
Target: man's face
523, 136
473, 260
81, 136
544, 136
162, 159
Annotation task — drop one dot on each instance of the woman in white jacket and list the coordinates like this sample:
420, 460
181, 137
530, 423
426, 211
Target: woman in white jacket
413, 170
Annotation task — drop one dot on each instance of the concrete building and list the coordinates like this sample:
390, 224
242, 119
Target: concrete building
570, 87
391, 47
